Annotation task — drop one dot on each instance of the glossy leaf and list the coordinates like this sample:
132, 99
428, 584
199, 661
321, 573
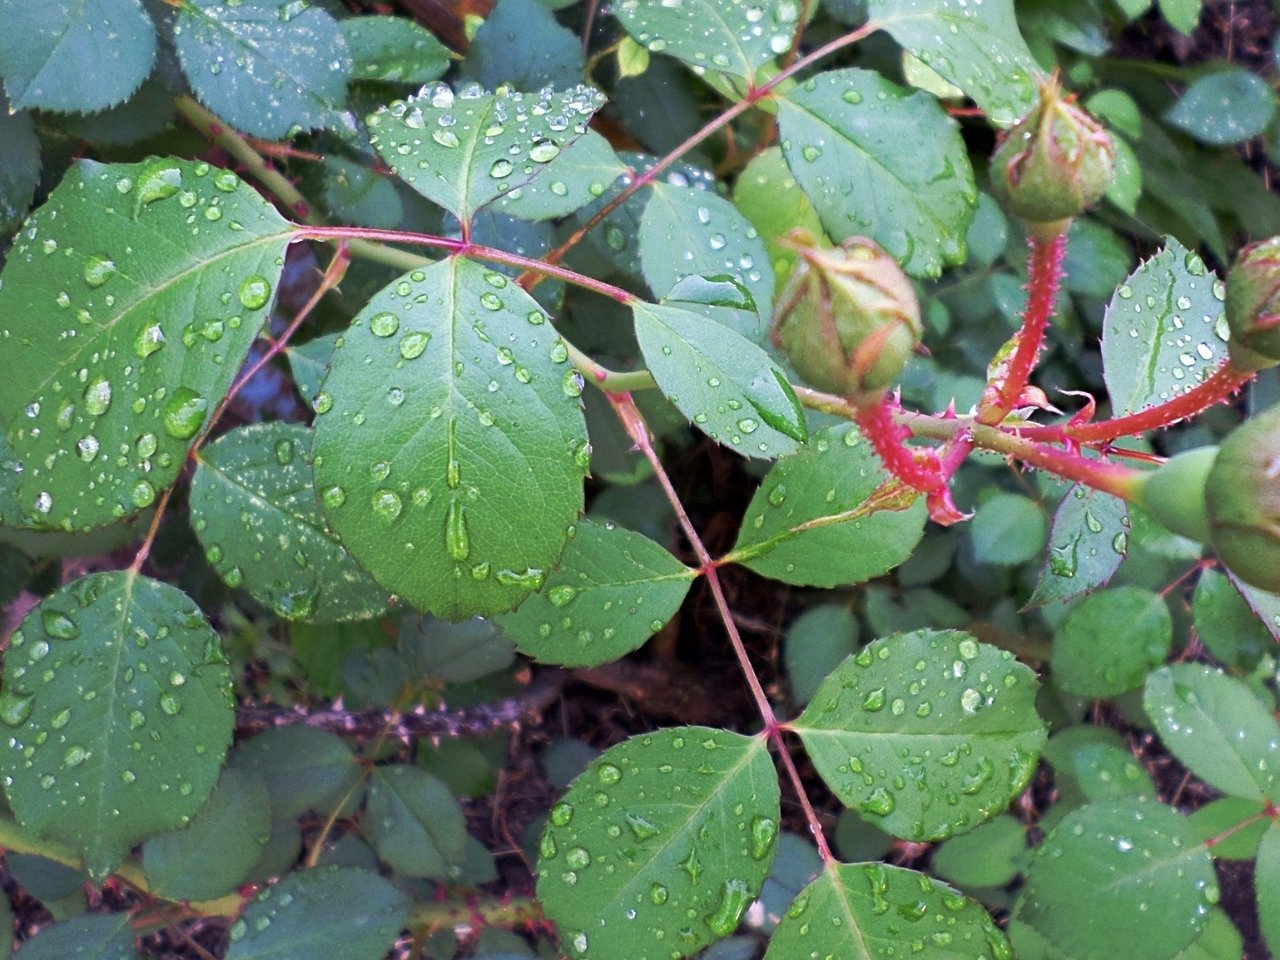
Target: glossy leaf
1267, 883
613, 589
336, 913
118, 697
720, 380
456, 149
414, 823
128, 304
46, 47
213, 854
1217, 728
1098, 769
579, 174
265, 66
451, 450
926, 734
660, 845
1110, 640
976, 47
1007, 529
1164, 330
100, 936
1089, 538
734, 37
767, 194
688, 231
881, 161
19, 163
304, 769
309, 364
1117, 878
393, 50
259, 520
813, 522
1234, 824
870, 910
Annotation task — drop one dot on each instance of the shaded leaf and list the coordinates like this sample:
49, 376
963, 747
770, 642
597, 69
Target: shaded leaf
19, 163
393, 50
1110, 640
414, 823
454, 652
1227, 625
100, 936
522, 43
1223, 108
819, 640
1267, 883
1007, 530
304, 769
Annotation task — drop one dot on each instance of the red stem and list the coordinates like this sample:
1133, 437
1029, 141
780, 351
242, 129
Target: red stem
918, 469
1044, 268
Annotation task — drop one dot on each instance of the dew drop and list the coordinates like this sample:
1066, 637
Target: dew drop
184, 413
254, 292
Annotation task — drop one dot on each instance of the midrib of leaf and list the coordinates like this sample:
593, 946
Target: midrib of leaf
131, 578
714, 10
259, 501
62, 36
847, 909
468, 168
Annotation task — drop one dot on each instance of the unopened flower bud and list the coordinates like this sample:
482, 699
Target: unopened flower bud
1253, 306
1243, 498
1174, 494
848, 319
1054, 163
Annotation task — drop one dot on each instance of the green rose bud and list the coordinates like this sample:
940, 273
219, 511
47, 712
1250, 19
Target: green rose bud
848, 319
1253, 306
1243, 498
1174, 494
1055, 163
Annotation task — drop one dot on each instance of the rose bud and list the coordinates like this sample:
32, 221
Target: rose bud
1054, 163
1174, 493
848, 319
1253, 306
1243, 498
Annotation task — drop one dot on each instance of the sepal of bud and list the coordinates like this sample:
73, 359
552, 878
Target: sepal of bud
1054, 163
848, 319
1253, 306
1174, 493
1243, 499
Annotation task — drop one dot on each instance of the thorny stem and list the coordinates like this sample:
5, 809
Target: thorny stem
918, 469
752, 97
1044, 269
633, 422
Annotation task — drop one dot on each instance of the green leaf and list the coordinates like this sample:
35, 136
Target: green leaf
454, 652
74, 55
521, 43
1223, 108
1226, 625
99, 936
256, 514
1266, 881
990, 856
660, 845
1110, 640
309, 363
457, 150
1097, 768
1219, 940
19, 163
768, 195
1183, 15
1164, 330
1118, 878
356, 194
129, 301
452, 447
613, 589
881, 161
734, 37
816, 644
1088, 541
1220, 821
812, 522
687, 231
393, 50
304, 769
978, 48
337, 913
214, 853
1007, 530
1216, 727
579, 174
414, 823
875, 910
267, 67
118, 697
918, 716
720, 380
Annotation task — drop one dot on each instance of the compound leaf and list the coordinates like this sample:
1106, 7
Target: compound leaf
119, 699
1216, 727
414, 823
466, 150
1164, 330
46, 50
450, 444
720, 380
881, 161
579, 174
976, 47
267, 67
814, 522
661, 844
926, 734
613, 590
875, 910
129, 301
334, 913
257, 516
